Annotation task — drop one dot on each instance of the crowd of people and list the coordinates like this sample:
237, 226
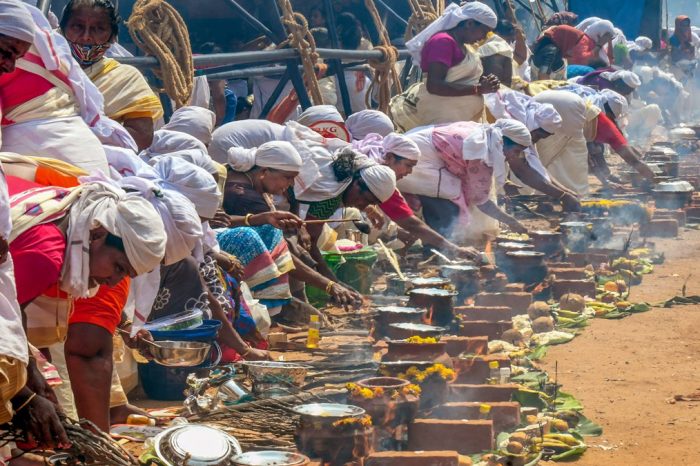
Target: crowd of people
112, 218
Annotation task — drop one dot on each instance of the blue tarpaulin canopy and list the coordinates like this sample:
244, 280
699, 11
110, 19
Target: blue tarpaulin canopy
625, 14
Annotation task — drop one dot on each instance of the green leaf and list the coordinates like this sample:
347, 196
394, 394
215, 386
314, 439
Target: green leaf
616, 315
567, 402
587, 428
530, 398
538, 353
530, 379
570, 454
639, 307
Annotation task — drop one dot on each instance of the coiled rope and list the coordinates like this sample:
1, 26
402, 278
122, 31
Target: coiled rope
384, 69
423, 13
300, 38
158, 29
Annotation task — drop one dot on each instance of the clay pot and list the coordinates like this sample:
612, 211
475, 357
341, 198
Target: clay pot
387, 315
465, 279
548, 242
439, 302
525, 266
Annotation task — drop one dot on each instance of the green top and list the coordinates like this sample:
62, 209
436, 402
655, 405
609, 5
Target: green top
323, 210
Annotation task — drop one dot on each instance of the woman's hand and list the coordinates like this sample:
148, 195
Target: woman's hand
345, 297
39, 417
278, 219
139, 342
254, 354
517, 227
231, 265
220, 220
469, 253
4, 249
375, 216
570, 203
304, 238
489, 84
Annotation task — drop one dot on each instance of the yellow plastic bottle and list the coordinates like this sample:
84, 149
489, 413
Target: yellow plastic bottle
484, 411
494, 373
314, 337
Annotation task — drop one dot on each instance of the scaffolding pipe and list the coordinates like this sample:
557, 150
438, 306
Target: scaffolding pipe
44, 6
392, 12
267, 71
253, 21
259, 57
339, 72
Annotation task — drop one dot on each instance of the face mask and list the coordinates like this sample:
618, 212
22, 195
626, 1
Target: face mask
87, 55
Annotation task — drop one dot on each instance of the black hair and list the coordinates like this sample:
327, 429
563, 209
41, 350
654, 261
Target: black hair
398, 158
106, 5
509, 142
114, 242
344, 164
243, 103
349, 31
504, 28
321, 37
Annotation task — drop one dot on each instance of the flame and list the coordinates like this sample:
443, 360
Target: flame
488, 251
428, 318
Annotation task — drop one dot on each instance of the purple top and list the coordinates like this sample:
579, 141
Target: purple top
595, 80
441, 48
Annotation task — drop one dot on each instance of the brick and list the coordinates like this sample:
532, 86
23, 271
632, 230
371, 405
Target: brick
582, 259
518, 302
497, 284
487, 313
480, 328
465, 437
413, 458
661, 228
559, 265
481, 392
679, 215
476, 369
568, 273
504, 414
693, 212
515, 287
582, 287
454, 346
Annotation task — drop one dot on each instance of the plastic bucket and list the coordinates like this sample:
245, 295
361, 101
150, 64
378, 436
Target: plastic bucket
356, 270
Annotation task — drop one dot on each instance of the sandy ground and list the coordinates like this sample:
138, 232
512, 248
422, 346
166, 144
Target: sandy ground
624, 371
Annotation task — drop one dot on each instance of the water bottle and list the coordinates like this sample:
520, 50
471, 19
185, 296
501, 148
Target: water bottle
494, 373
314, 336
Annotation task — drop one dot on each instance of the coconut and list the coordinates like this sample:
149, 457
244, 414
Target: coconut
538, 309
572, 302
543, 324
512, 336
515, 447
520, 437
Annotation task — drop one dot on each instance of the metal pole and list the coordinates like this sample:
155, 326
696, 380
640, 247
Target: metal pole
269, 71
252, 20
259, 57
275, 95
339, 73
392, 12
408, 64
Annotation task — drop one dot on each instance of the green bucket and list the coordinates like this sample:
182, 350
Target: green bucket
356, 271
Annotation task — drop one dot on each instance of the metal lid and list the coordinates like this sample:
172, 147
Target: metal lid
270, 458
400, 310
429, 281
199, 445
338, 410
417, 327
432, 292
673, 187
525, 254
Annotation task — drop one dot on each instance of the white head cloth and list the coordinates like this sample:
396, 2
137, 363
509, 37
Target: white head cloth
195, 121
513, 130
617, 103
166, 141
525, 109
129, 217
571, 107
380, 179
451, 17
16, 21
364, 122
629, 77
641, 44
193, 156
320, 113
598, 29
193, 182
182, 224
583, 25
376, 147
280, 155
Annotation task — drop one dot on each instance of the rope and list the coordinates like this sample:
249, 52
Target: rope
158, 29
384, 69
300, 38
423, 13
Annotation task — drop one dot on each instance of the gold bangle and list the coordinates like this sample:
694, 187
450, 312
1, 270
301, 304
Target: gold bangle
247, 219
26, 402
329, 287
247, 351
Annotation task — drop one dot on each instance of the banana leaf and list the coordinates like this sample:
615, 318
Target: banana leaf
530, 398
530, 379
538, 353
616, 314
587, 428
570, 454
578, 322
567, 402
680, 301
